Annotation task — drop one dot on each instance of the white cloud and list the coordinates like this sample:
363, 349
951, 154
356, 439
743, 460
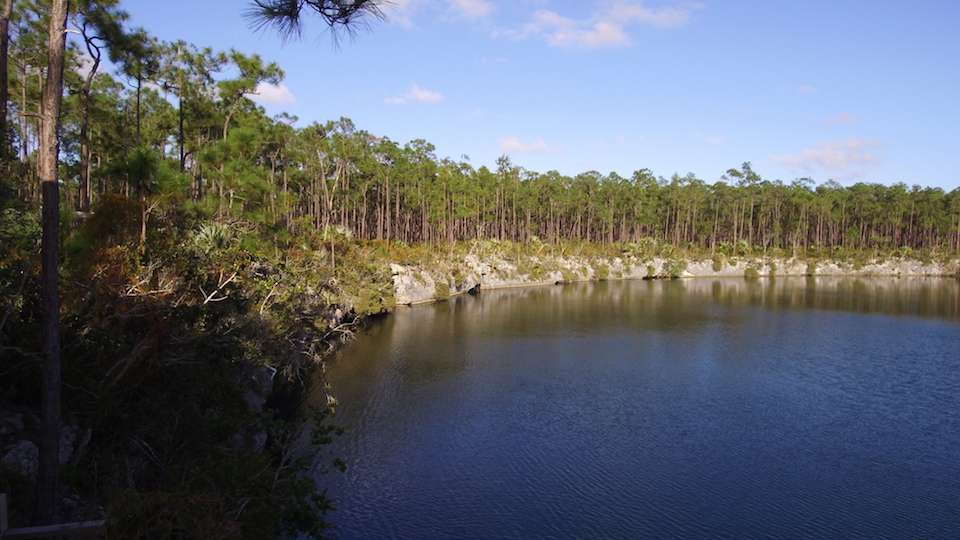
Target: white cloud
603, 29
403, 12
603, 35
472, 9
274, 94
424, 96
848, 158
84, 64
400, 12
513, 145
842, 118
662, 17
417, 94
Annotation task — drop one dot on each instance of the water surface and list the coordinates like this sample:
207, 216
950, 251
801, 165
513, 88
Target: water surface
703, 408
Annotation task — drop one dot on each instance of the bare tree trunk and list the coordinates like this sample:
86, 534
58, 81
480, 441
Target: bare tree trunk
48, 473
86, 200
4, 81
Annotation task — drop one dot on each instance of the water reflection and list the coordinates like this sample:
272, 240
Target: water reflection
918, 296
767, 408
680, 304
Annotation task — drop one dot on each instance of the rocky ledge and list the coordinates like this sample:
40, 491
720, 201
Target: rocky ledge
418, 284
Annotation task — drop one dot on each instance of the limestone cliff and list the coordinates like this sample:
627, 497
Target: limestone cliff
417, 284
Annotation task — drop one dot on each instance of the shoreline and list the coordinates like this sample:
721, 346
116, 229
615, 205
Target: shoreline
416, 284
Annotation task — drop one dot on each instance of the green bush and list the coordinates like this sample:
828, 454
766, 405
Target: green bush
602, 271
675, 267
751, 273
442, 291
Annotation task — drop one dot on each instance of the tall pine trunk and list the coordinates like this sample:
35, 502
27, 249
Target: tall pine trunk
5, 148
48, 470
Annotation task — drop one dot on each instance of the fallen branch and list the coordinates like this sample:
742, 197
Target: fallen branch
212, 296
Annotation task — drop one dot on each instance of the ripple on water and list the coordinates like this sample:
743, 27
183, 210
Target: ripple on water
697, 417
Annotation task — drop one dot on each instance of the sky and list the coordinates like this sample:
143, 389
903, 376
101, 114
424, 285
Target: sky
844, 90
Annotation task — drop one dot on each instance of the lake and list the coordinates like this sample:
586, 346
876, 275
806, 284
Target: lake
697, 408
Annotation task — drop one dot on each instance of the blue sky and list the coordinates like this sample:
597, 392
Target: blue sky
848, 90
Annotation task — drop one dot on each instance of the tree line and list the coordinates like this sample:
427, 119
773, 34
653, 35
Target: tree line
173, 125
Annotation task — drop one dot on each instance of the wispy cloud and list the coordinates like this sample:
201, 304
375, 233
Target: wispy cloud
417, 94
472, 9
669, 17
274, 94
513, 145
605, 29
842, 118
84, 64
846, 159
403, 12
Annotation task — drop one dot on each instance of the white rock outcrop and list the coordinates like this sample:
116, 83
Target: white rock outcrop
416, 284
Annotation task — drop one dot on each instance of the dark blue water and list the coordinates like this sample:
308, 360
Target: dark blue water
787, 408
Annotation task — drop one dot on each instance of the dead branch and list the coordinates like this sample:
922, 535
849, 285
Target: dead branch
207, 298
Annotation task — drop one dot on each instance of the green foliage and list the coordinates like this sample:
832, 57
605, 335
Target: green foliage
19, 235
364, 277
751, 273
717, 263
651, 271
602, 271
903, 252
212, 236
532, 268
115, 223
675, 268
442, 291
457, 277
160, 350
